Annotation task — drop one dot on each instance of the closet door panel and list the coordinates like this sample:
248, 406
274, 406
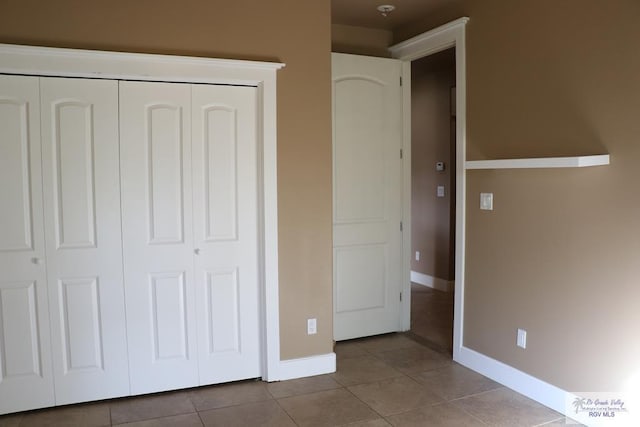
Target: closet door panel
226, 228
84, 245
155, 124
26, 377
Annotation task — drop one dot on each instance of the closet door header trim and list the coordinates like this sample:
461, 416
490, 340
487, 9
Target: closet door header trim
48, 61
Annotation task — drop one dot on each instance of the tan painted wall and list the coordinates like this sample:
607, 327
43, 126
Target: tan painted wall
295, 32
431, 141
360, 41
560, 254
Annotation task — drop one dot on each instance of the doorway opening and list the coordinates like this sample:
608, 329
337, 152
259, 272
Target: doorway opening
433, 198
451, 35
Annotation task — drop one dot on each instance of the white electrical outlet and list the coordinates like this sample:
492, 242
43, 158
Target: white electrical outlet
522, 338
440, 191
311, 327
417, 255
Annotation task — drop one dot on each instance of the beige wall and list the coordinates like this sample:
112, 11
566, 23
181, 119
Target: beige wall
360, 41
560, 254
295, 32
431, 141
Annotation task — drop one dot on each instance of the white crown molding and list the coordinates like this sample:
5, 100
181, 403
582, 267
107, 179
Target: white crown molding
430, 42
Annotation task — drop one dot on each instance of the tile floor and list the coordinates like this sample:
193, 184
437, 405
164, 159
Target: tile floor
432, 317
381, 381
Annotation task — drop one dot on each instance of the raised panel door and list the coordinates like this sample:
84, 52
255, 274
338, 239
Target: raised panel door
225, 200
155, 132
367, 195
26, 377
84, 243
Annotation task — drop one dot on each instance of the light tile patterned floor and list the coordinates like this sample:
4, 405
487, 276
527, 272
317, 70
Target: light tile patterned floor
381, 381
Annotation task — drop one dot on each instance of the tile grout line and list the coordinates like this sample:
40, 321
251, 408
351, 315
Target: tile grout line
475, 417
365, 403
285, 410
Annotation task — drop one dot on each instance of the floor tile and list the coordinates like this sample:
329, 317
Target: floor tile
443, 415
395, 395
11, 420
363, 369
267, 413
346, 349
379, 422
504, 407
186, 420
387, 342
148, 407
302, 386
455, 381
432, 316
564, 421
414, 360
326, 408
84, 415
219, 396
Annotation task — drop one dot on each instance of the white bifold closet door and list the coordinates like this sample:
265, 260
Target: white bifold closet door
225, 225
26, 377
80, 158
190, 209
155, 139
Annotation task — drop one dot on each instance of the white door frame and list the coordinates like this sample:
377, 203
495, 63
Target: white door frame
436, 40
45, 61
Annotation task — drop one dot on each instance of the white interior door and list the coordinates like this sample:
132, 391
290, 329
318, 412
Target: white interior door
26, 378
80, 158
155, 132
226, 212
367, 195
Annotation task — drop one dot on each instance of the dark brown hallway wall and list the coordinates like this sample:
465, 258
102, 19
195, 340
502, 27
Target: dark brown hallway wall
297, 33
432, 140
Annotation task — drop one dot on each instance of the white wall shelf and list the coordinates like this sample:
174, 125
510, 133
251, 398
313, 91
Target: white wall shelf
539, 162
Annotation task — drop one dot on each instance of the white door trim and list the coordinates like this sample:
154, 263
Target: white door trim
46, 61
436, 40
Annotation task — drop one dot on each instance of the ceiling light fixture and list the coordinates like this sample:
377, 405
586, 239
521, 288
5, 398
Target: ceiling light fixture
386, 9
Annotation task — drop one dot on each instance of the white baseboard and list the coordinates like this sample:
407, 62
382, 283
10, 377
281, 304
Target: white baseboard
538, 390
306, 367
432, 282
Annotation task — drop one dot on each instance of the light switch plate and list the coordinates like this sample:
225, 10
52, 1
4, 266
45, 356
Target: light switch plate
312, 327
521, 341
440, 191
486, 201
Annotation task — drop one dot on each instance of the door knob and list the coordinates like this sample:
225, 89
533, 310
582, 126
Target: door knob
196, 251
36, 260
